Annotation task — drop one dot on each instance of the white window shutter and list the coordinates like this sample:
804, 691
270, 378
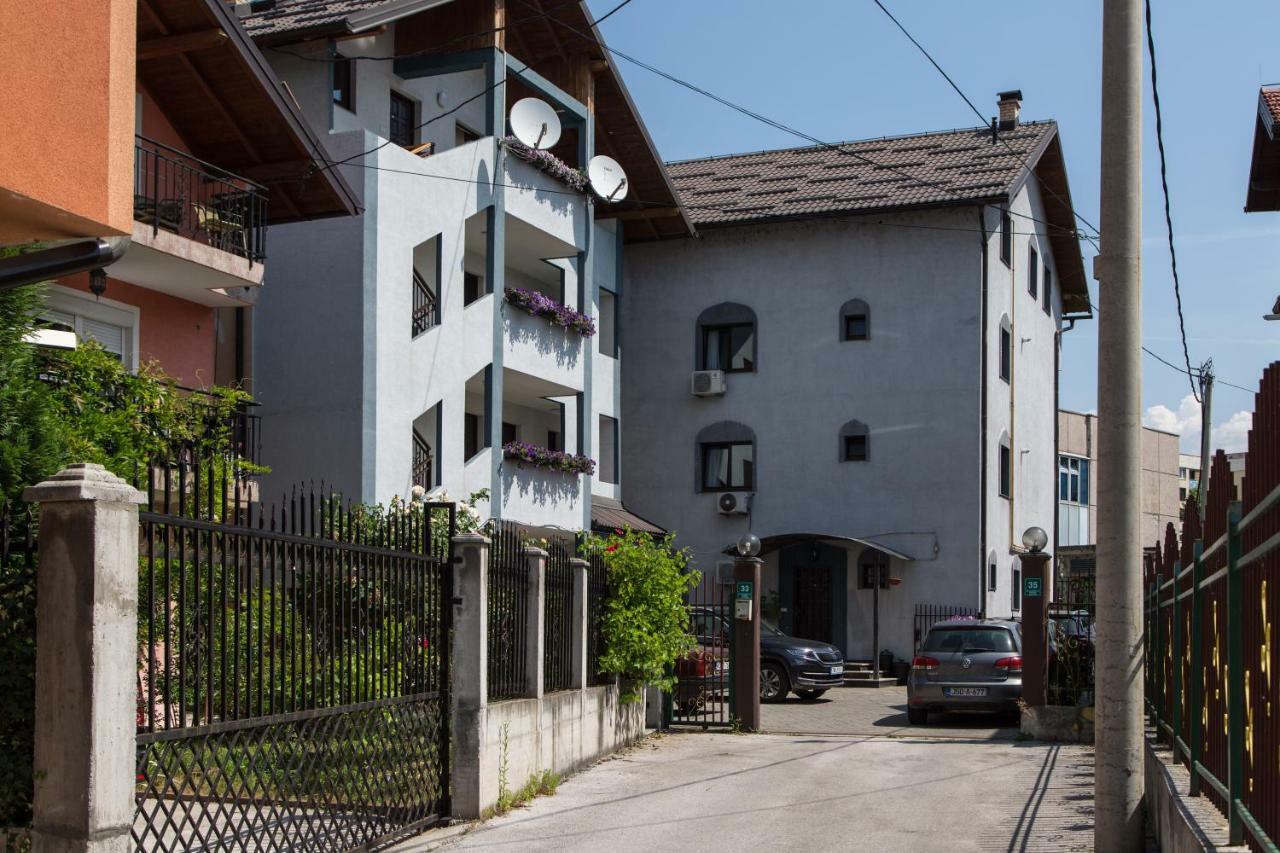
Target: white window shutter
111, 337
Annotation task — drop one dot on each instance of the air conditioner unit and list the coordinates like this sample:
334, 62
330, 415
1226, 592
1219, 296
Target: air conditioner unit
733, 503
707, 383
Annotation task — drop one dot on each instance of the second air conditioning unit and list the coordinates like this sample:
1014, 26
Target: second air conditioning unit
707, 383
733, 503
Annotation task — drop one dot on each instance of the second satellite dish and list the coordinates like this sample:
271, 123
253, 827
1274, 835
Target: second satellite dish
535, 123
607, 178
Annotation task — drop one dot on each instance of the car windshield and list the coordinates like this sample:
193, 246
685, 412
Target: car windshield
769, 628
976, 639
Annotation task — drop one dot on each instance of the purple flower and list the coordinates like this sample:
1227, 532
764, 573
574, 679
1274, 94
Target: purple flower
545, 161
555, 460
540, 305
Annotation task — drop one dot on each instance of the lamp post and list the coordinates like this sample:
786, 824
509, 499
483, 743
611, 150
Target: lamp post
745, 657
1034, 643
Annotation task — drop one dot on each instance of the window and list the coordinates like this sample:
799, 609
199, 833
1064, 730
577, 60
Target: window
1006, 238
113, 325
403, 129
463, 135
1015, 587
1006, 351
855, 321
1033, 272
993, 575
728, 467
1048, 291
553, 440
1182, 493
854, 442
510, 433
608, 335
726, 339
1006, 470
344, 83
730, 348
956, 640
1073, 480
473, 440
472, 287
872, 564
608, 449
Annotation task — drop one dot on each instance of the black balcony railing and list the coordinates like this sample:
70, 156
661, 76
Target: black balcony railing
176, 192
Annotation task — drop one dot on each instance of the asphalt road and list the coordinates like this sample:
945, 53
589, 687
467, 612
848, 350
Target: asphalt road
700, 791
877, 711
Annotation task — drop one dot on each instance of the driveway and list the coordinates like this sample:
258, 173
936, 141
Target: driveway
877, 711
780, 793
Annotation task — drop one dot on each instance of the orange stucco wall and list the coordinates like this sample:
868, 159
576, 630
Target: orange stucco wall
178, 334
67, 68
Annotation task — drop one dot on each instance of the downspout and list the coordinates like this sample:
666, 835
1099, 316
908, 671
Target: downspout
44, 264
982, 476
1015, 348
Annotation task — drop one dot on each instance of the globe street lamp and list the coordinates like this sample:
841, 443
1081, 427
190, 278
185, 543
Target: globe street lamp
749, 545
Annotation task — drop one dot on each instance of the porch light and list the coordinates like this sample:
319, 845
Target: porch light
98, 282
749, 545
1035, 539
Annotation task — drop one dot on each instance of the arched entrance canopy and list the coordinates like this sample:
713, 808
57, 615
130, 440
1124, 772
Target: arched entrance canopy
769, 544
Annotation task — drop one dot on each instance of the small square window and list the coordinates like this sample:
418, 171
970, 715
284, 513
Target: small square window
855, 448
728, 467
855, 327
731, 348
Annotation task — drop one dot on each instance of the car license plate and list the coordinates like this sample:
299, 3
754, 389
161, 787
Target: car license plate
965, 691
837, 670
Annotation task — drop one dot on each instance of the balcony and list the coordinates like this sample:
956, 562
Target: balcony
199, 230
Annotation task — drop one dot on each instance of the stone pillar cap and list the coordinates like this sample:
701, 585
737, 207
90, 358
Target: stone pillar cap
470, 539
83, 481
535, 551
578, 561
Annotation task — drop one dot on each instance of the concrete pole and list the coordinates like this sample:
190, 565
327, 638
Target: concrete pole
86, 662
469, 651
1119, 779
535, 624
581, 592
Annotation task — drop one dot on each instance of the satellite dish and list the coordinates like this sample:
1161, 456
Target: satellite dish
607, 178
535, 123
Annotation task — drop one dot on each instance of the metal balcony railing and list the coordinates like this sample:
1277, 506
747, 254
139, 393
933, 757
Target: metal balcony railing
177, 192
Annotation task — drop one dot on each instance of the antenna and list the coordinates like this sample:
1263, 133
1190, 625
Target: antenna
607, 178
535, 123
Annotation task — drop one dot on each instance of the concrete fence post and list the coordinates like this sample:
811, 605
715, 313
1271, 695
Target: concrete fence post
469, 665
536, 560
86, 662
581, 677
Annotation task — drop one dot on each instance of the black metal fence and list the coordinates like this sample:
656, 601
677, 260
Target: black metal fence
597, 598
703, 693
17, 660
927, 615
174, 191
1069, 630
293, 677
508, 611
557, 620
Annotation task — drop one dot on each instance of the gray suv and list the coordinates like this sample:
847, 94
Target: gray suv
966, 665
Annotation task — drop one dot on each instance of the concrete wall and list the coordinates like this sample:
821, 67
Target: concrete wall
1181, 824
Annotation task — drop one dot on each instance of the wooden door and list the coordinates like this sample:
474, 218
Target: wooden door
812, 618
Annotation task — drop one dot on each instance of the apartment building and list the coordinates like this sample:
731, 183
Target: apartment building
857, 361
462, 332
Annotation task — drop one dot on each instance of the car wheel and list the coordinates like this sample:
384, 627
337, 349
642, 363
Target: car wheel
917, 716
809, 695
773, 683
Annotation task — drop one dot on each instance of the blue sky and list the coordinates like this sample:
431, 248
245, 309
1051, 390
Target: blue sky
839, 70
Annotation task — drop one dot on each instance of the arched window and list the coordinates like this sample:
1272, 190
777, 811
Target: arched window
855, 321
993, 572
855, 442
726, 338
1006, 348
726, 458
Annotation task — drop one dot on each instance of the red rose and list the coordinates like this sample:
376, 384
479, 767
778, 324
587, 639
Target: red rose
611, 549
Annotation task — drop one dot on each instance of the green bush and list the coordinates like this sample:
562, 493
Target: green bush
646, 621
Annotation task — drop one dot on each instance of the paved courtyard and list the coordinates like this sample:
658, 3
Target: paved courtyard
696, 791
877, 711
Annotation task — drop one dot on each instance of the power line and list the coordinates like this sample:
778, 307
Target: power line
1164, 185
981, 117
777, 125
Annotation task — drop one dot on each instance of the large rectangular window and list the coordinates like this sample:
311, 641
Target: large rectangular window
1073, 480
608, 449
727, 467
402, 129
608, 334
731, 348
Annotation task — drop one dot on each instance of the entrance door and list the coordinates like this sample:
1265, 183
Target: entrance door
812, 618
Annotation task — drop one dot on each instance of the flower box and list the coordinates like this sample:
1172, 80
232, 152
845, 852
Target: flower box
545, 161
552, 460
540, 305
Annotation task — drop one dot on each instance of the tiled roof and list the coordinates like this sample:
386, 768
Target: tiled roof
1271, 97
870, 175
292, 15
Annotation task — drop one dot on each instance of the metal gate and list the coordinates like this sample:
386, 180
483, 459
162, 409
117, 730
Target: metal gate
293, 677
1069, 636
703, 692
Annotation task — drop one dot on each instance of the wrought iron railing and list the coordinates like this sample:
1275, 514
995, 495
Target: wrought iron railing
422, 462
1211, 647
174, 191
508, 612
557, 619
426, 308
927, 615
597, 597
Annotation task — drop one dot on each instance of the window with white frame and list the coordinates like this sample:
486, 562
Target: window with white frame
1073, 480
113, 325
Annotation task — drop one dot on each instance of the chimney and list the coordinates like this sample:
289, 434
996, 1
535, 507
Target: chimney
1010, 106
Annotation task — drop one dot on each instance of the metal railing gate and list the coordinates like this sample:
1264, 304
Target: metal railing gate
703, 695
293, 674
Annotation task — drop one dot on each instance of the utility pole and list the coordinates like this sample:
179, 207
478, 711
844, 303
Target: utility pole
1206, 434
1118, 268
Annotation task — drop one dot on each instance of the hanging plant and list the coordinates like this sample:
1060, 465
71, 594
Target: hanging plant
552, 460
545, 161
541, 305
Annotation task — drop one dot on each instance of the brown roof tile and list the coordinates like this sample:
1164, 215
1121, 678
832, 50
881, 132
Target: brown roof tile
858, 177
